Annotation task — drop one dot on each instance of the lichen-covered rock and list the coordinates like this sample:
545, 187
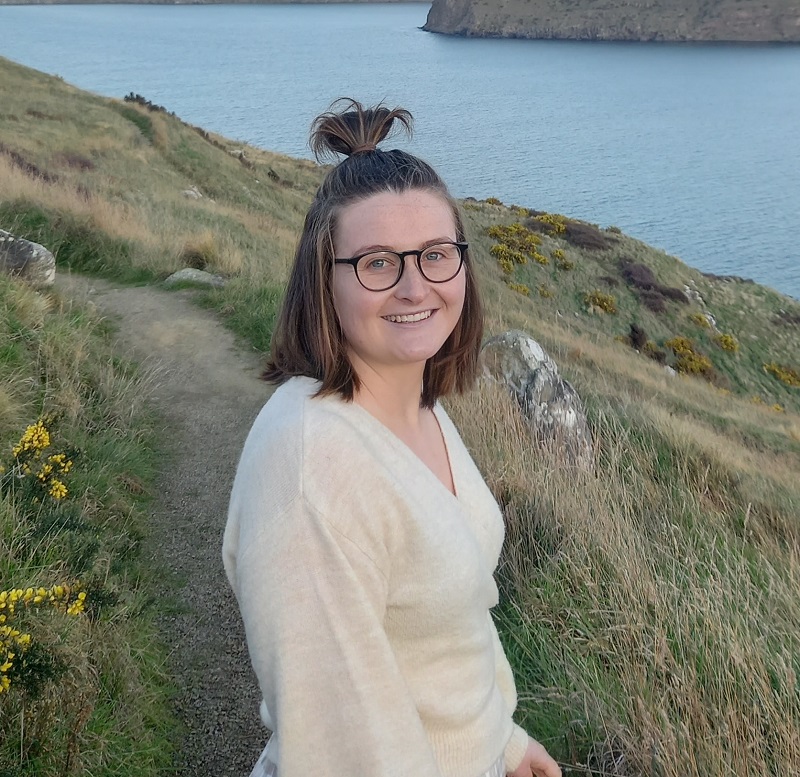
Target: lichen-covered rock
29, 261
550, 404
191, 275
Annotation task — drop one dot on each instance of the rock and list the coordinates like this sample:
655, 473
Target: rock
29, 261
192, 193
191, 275
693, 295
670, 371
550, 404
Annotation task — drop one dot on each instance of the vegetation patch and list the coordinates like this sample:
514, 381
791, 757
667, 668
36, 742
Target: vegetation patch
578, 233
787, 375
727, 343
598, 301
81, 683
652, 294
700, 319
520, 288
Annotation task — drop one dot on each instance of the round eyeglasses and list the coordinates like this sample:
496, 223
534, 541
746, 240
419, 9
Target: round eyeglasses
380, 270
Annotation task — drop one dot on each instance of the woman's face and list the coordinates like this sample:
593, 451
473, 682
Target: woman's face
376, 324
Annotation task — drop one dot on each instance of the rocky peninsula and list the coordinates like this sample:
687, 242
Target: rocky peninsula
772, 21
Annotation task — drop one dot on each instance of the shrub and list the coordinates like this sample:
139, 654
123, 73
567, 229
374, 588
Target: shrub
492, 201
694, 364
680, 346
540, 258
652, 351
787, 375
639, 275
597, 300
727, 343
561, 260
653, 301
520, 211
614, 230
515, 235
638, 337
507, 257
544, 291
588, 236
551, 223
520, 288
700, 319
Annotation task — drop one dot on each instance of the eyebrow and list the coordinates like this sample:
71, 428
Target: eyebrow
426, 244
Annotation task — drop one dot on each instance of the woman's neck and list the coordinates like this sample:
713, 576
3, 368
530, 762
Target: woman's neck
392, 396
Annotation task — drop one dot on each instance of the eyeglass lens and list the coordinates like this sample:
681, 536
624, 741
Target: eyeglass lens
382, 269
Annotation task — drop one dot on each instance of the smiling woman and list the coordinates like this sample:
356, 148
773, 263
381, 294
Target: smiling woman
361, 539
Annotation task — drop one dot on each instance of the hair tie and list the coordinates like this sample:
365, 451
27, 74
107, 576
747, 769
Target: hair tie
363, 148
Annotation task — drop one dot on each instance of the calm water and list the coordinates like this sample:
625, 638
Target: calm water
695, 149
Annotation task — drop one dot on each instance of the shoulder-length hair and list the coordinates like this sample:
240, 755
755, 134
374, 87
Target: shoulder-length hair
307, 339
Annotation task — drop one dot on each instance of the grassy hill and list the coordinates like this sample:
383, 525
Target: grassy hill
663, 20
650, 607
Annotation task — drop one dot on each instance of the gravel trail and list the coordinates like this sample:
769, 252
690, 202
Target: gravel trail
207, 392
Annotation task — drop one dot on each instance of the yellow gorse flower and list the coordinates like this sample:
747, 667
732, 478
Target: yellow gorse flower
65, 599
31, 460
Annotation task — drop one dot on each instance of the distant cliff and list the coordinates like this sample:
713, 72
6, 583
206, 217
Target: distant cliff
198, 2
640, 20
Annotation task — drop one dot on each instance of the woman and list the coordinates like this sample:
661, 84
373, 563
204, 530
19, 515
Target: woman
361, 538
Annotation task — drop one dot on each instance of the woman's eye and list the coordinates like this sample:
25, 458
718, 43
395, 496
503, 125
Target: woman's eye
433, 256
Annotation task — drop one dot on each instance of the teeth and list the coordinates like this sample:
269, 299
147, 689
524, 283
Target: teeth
409, 319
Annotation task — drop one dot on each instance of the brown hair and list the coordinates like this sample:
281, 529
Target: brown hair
308, 339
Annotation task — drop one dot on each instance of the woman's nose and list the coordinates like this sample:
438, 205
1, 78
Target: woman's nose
412, 284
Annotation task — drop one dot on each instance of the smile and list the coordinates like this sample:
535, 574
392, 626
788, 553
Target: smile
411, 318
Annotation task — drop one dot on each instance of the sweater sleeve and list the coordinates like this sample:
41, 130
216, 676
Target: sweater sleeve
313, 603
518, 744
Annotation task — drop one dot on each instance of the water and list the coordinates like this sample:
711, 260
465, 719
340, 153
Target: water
693, 148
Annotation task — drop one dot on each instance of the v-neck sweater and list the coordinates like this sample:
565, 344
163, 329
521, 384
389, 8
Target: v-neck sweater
365, 587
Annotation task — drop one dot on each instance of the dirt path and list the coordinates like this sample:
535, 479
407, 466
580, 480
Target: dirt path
207, 392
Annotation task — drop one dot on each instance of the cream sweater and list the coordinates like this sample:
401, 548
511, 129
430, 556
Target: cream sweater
365, 588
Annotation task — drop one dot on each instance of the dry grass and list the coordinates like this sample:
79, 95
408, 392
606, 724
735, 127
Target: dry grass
651, 635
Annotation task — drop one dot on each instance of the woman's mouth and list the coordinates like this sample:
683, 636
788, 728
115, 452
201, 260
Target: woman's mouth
409, 318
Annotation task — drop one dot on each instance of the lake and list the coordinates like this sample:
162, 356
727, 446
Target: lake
692, 148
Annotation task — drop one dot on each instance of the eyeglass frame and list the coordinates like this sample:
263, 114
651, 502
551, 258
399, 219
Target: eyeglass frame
353, 262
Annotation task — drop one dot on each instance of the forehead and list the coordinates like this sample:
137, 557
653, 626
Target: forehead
401, 221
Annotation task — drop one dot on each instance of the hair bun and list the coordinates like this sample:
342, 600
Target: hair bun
349, 128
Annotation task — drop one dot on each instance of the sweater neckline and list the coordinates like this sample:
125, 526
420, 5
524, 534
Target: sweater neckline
441, 417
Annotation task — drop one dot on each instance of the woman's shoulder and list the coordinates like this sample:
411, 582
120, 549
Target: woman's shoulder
297, 424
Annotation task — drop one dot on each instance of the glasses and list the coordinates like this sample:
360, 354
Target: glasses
380, 270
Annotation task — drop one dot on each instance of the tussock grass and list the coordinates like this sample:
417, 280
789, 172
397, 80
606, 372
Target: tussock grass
651, 610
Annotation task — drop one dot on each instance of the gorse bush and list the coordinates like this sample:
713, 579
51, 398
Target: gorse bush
700, 319
600, 301
520, 288
787, 375
727, 342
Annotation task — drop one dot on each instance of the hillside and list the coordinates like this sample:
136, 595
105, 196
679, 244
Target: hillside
650, 607
634, 20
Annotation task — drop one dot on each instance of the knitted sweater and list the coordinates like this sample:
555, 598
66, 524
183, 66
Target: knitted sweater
365, 588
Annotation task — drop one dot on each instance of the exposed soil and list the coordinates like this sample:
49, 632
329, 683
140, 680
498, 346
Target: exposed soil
207, 393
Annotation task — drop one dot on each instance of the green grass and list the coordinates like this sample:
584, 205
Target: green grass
103, 708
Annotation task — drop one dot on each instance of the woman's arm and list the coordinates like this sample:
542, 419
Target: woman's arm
312, 602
